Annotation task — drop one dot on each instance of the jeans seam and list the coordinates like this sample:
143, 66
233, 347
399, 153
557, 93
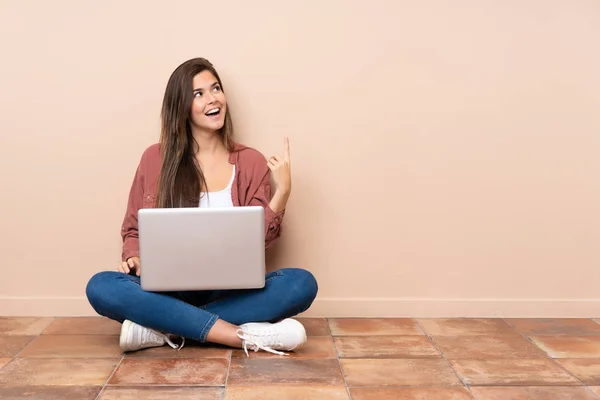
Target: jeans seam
207, 327
203, 307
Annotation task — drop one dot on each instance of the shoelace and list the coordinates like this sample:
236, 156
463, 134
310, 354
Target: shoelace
258, 341
166, 338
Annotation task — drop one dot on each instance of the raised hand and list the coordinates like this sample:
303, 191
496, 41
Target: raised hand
281, 170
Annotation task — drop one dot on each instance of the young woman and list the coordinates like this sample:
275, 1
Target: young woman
197, 163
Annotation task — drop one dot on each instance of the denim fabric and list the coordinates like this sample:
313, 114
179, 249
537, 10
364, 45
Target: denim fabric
191, 314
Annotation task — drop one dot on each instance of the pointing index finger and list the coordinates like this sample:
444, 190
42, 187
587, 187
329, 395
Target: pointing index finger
286, 148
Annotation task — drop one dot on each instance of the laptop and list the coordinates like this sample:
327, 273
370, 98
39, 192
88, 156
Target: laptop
202, 248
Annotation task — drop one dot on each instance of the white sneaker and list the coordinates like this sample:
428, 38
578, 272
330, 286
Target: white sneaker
136, 337
288, 335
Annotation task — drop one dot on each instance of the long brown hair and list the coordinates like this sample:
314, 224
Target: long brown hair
181, 179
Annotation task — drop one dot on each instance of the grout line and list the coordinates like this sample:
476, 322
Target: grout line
54, 319
337, 357
24, 347
445, 358
110, 376
228, 370
548, 356
12, 359
31, 341
327, 325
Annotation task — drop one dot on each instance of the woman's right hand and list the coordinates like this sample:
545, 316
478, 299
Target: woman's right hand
132, 264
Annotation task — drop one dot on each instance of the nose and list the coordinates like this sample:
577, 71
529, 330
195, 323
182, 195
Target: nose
210, 98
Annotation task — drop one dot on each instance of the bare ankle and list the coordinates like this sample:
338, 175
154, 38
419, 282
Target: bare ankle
224, 333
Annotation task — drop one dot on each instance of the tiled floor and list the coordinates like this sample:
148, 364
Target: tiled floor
360, 359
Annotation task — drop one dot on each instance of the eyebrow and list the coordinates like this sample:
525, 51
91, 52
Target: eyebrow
200, 89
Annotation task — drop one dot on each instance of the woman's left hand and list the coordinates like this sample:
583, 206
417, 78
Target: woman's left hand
281, 170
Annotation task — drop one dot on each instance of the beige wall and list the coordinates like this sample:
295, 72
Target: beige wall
444, 153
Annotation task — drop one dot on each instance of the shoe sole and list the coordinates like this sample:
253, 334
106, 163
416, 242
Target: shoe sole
125, 329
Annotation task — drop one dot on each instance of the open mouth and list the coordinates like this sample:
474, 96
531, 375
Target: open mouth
213, 112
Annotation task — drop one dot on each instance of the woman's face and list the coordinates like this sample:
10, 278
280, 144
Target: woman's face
209, 105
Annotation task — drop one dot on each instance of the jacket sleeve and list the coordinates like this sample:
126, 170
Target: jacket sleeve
261, 196
129, 228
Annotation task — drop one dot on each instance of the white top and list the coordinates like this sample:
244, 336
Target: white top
218, 199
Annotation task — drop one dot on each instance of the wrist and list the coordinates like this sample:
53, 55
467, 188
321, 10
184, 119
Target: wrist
279, 201
282, 193
281, 197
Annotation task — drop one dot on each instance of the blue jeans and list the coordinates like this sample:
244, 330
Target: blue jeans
191, 314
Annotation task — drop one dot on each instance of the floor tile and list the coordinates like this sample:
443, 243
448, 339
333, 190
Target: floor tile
586, 370
167, 371
249, 371
410, 394
315, 326
271, 392
556, 326
385, 347
50, 392
73, 346
466, 326
4, 361
532, 393
161, 393
542, 372
10, 345
398, 372
192, 351
569, 346
83, 326
488, 347
373, 326
595, 389
315, 347
27, 326
28, 371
